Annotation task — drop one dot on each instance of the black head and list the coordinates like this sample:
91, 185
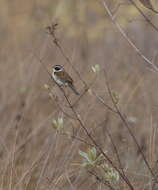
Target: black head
58, 68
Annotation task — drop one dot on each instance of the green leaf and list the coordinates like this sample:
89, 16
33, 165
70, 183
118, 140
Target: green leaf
110, 174
84, 155
60, 121
96, 68
92, 154
57, 123
94, 151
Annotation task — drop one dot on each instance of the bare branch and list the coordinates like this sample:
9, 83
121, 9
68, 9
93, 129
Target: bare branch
94, 142
118, 26
126, 124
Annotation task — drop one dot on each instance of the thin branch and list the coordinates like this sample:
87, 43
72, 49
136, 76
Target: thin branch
103, 102
33, 165
94, 142
114, 146
44, 66
116, 151
85, 91
51, 31
106, 183
76, 138
145, 17
118, 26
114, 12
126, 124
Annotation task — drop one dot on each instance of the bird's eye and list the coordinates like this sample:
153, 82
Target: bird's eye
57, 68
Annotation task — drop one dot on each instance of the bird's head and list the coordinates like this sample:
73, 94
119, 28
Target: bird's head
58, 68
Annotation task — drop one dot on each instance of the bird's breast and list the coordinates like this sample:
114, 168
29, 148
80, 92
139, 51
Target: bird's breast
57, 79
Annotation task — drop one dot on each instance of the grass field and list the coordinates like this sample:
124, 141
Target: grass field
51, 139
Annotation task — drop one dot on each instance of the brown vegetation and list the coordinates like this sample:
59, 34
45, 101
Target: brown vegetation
44, 129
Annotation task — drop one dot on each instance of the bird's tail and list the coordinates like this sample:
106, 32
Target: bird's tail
74, 89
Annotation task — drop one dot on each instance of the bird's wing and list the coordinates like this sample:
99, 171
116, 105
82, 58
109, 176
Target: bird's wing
65, 76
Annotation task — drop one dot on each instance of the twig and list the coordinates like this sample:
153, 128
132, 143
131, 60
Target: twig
118, 26
114, 146
114, 12
103, 102
126, 124
145, 17
76, 138
33, 165
44, 66
106, 183
116, 151
85, 91
51, 31
94, 142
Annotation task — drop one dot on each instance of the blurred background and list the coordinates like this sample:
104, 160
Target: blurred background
33, 153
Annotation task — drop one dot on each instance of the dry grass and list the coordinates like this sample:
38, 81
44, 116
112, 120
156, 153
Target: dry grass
35, 156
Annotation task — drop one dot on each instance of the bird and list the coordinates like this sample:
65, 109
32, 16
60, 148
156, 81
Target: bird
62, 78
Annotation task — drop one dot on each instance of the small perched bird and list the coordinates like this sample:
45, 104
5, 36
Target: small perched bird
62, 78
